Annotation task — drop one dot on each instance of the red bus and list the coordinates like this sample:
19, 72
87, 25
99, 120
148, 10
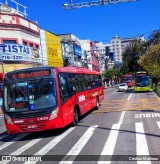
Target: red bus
128, 78
43, 98
1, 87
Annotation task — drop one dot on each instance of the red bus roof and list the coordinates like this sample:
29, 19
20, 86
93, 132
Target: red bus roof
71, 69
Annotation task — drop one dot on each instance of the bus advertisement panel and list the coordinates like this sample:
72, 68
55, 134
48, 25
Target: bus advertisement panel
43, 98
142, 82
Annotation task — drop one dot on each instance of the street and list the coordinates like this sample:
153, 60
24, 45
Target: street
125, 128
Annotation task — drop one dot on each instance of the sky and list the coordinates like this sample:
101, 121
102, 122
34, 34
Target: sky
100, 23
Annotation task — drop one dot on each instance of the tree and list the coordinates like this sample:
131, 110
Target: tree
131, 56
150, 61
108, 74
154, 38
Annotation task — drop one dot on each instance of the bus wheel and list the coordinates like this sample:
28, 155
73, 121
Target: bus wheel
97, 103
76, 117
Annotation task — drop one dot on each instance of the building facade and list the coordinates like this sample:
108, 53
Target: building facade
19, 41
118, 45
72, 52
90, 55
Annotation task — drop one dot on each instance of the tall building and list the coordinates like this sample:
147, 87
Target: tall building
118, 45
90, 54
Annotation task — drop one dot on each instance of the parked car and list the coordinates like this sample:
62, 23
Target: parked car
123, 87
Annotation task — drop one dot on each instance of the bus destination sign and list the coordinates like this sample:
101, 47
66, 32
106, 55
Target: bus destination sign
30, 74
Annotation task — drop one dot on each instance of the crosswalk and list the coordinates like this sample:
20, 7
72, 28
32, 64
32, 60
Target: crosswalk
108, 148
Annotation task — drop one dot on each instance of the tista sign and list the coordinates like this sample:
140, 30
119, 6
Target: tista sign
15, 52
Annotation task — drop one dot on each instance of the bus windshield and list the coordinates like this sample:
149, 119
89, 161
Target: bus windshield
127, 79
30, 95
142, 81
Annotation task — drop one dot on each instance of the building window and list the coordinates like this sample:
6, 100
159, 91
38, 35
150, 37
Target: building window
24, 43
9, 42
37, 46
31, 44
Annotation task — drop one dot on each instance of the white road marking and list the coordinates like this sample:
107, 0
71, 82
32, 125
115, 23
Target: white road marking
129, 96
110, 143
23, 148
121, 118
141, 143
112, 139
76, 149
13, 140
50, 145
158, 123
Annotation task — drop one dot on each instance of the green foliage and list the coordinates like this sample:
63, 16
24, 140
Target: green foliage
154, 38
131, 56
108, 74
150, 61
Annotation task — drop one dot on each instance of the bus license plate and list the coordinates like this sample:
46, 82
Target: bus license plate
32, 126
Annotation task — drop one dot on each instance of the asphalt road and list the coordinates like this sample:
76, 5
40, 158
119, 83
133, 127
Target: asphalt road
126, 129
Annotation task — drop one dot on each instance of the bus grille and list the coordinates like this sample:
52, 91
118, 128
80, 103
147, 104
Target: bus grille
30, 115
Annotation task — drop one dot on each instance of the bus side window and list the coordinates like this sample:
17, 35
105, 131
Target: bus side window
72, 83
64, 88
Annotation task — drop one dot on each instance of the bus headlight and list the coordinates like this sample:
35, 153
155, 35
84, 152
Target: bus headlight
8, 119
53, 114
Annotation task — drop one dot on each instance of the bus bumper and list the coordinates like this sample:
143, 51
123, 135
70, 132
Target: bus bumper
30, 125
142, 89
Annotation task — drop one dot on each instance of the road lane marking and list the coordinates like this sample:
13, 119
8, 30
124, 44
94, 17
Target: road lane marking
13, 140
110, 143
76, 149
50, 145
129, 96
147, 115
141, 143
121, 118
158, 123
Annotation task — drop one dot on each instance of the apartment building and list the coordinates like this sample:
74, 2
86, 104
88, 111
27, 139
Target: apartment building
118, 45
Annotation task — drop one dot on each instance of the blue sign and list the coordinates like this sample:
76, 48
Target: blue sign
77, 50
32, 106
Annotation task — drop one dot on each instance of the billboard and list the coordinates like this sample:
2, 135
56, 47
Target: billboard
18, 53
77, 50
52, 49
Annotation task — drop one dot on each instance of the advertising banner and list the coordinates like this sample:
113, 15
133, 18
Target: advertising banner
15, 52
54, 49
77, 50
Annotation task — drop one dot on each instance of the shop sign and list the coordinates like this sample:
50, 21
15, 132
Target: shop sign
77, 50
15, 52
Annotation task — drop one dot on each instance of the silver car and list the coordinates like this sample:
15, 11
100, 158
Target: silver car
123, 87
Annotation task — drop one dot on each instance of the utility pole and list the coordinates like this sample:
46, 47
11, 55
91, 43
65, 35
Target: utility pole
71, 5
